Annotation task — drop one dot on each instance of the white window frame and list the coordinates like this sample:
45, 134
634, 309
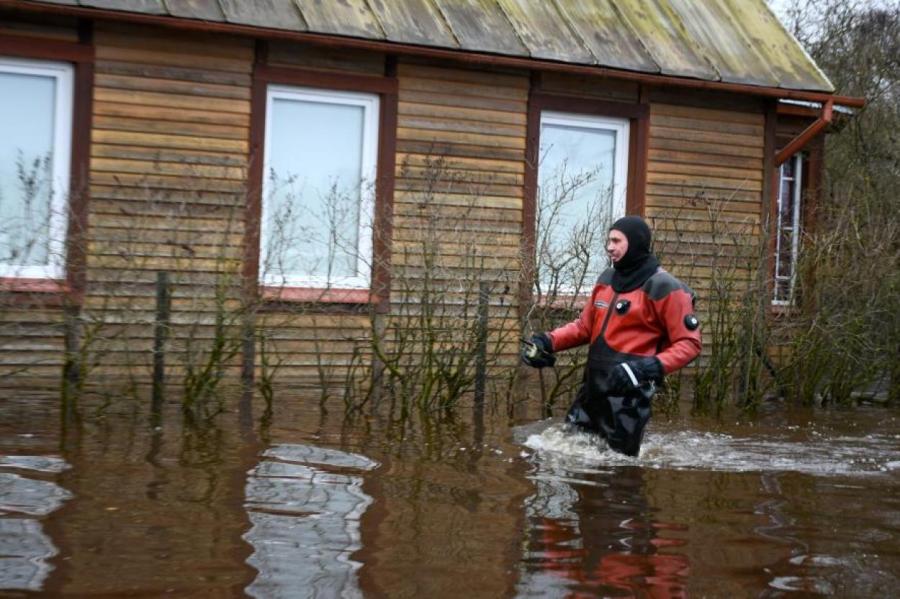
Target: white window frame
370, 104
796, 200
64, 74
622, 129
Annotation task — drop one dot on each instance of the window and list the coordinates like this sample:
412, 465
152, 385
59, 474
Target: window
581, 191
318, 188
36, 124
787, 229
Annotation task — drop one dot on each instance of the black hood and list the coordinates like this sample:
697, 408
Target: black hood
638, 264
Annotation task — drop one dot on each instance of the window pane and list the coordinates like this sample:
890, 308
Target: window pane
576, 183
315, 169
27, 109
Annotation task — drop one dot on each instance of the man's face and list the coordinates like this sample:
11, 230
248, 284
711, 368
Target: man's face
616, 245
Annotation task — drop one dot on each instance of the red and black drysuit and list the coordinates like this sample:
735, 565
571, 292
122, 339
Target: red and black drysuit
655, 319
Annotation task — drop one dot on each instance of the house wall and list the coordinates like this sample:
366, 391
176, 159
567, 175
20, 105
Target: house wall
171, 152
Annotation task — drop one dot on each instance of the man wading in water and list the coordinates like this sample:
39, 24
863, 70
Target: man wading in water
640, 324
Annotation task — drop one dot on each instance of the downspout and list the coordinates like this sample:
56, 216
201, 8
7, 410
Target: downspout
799, 142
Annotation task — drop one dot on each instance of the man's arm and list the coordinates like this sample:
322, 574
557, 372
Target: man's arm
577, 332
676, 312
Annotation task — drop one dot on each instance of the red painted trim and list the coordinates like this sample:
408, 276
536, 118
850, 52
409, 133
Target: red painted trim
387, 89
462, 56
769, 200
384, 187
310, 295
253, 209
336, 81
80, 170
799, 142
45, 49
23, 285
529, 193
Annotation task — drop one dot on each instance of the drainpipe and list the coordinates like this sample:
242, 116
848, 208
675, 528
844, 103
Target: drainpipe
799, 142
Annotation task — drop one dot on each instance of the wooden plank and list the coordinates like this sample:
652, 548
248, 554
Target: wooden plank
448, 212
462, 163
459, 113
660, 143
165, 155
455, 100
458, 199
168, 141
154, 40
142, 111
694, 112
170, 100
687, 180
446, 149
175, 57
289, 53
170, 86
488, 225
722, 206
704, 170
165, 182
709, 137
101, 222
656, 156
167, 168
175, 235
146, 248
407, 70
481, 189
482, 128
458, 176
170, 128
458, 88
755, 130
475, 139
143, 70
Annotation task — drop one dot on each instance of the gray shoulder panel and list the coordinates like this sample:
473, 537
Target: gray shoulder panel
662, 284
605, 277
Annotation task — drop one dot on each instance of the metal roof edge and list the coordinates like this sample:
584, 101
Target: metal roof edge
799, 45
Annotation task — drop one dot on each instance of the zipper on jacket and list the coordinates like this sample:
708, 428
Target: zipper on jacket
609, 311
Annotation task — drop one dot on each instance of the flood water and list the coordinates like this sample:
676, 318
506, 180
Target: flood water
308, 503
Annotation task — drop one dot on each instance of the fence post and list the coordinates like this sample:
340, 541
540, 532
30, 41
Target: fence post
160, 334
481, 355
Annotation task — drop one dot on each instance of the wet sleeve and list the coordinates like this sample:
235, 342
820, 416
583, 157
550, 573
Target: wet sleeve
676, 311
577, 332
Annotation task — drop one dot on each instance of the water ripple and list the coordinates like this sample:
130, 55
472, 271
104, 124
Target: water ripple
691, 450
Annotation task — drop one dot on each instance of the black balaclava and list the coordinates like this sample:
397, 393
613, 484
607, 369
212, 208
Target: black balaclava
638, 264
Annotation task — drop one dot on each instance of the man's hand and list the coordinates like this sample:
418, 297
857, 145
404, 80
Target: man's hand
538, 352
628, 377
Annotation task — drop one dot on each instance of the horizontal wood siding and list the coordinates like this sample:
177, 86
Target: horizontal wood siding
704, 197
459, 194
169, 157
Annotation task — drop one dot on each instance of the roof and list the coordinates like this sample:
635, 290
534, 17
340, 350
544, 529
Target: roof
731, 41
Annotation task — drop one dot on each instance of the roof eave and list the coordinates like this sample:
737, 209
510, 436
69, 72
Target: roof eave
481, 58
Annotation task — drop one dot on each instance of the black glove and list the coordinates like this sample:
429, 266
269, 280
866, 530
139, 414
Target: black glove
538, 352
644, 370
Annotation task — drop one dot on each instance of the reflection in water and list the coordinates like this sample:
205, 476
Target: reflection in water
305, 522
592, 533
25, 550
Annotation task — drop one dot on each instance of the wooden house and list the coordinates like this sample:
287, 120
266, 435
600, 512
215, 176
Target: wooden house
307, 165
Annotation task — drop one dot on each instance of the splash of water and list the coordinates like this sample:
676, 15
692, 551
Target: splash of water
692, 450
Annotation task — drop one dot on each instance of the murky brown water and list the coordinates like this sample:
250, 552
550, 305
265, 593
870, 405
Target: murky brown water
792, 503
